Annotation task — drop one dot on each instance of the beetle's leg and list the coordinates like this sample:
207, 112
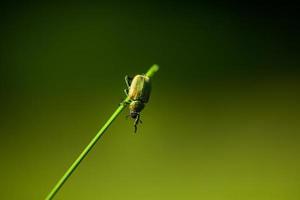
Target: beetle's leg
125, 103
126, 92
128, 81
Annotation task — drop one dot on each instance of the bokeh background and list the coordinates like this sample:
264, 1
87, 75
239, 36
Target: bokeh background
222, 122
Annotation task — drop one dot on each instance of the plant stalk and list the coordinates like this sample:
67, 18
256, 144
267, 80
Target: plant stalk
87, 149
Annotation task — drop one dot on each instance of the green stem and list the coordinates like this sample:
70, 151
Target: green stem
87, 149
152, 70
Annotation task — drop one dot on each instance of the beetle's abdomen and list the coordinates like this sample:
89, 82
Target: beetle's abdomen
140, 88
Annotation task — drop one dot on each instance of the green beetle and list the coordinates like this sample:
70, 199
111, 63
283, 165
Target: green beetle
138, 91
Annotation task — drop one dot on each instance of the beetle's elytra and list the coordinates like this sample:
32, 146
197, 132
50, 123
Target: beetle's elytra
139, 89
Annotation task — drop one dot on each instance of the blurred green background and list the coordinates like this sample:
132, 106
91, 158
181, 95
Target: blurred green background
222, 122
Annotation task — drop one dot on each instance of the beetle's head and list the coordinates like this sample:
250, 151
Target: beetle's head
134, 114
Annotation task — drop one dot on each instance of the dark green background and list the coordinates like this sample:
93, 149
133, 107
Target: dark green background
222, 122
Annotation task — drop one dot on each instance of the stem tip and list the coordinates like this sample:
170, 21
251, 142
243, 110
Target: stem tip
154, 68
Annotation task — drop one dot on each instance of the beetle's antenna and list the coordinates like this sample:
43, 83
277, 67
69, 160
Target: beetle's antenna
136, 121
135, 128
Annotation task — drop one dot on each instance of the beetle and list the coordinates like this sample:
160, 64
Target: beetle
138, 91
